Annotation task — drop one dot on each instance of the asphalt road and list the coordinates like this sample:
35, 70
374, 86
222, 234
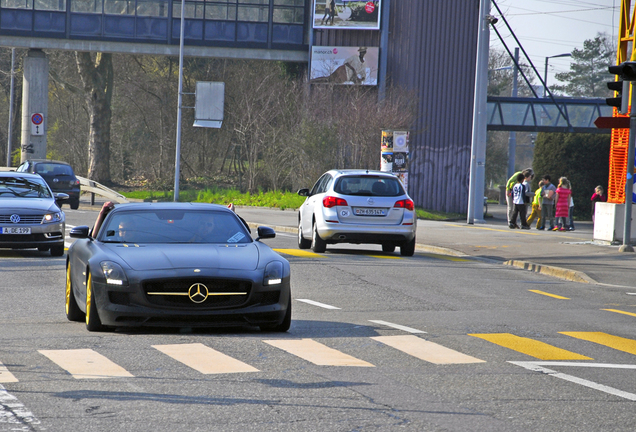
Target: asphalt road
378, 342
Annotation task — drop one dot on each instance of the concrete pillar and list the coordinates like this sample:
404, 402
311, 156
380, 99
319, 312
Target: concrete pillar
35, 100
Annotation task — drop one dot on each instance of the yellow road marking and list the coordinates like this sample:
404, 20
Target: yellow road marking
317, 353
385, 256
620, 312
6, 376
299, 253
425, 350
530, 347
616, 342
549, 295
445, 257
85, 363
204, 359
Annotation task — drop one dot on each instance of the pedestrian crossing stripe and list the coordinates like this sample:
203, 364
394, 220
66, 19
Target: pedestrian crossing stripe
426, 350
317, 353
531, 347
6, 376
204, 359
608, 340
85, 364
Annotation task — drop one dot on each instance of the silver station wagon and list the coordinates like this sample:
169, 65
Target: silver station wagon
360, 207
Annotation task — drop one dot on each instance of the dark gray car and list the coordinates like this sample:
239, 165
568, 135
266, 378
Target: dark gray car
58, 175
30, 216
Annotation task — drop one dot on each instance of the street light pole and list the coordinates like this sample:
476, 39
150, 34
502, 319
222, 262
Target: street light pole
545, 74
177, 159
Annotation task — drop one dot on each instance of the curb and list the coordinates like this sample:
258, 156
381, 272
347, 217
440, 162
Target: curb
557, 272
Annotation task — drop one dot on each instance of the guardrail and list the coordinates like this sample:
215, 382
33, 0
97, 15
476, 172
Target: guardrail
97, 188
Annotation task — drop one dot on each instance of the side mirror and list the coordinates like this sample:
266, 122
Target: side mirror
79, 232
303, 192
60, 196
265, 233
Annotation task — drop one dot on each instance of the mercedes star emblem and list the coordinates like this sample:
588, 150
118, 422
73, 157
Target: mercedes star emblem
198, 293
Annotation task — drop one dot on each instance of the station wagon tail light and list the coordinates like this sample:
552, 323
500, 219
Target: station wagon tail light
74, 182
330, 201
405, 204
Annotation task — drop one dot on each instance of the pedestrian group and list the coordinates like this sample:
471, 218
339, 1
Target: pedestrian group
550, 205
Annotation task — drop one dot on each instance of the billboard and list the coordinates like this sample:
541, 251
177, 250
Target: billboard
344, 65
347, 14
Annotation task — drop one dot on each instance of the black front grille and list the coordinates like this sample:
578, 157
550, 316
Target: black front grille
30, 238
178, 293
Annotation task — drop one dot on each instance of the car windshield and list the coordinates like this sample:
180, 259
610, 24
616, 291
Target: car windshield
21, 187
174, 226
53, 169
368, 185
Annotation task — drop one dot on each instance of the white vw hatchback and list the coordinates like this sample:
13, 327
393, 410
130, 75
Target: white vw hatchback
357, 206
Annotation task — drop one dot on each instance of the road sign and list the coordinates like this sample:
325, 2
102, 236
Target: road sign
612, 122
37, 124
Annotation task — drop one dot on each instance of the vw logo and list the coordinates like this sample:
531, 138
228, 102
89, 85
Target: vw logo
370, 201
15, 218
198, 293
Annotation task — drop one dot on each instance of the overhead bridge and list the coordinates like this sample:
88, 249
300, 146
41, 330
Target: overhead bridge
565, 115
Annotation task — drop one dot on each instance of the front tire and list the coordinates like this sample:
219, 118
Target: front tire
286, 324
74, 204
303, 243
73, 312
388, 247
57, 251
93, 323
318, 245
408, 249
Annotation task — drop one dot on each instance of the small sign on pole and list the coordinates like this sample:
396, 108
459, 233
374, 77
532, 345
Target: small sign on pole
208, 107
37, 124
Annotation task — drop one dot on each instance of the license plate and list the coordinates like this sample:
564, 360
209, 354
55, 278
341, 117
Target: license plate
12, 230
369, 212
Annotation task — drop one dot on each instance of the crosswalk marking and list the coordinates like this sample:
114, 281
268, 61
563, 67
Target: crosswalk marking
299, 253
426, 350
531, 347
204, 359
6, 376
397, 326
616, 342
85, 364
317, 353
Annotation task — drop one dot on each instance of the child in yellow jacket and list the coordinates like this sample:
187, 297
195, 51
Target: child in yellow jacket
536, 207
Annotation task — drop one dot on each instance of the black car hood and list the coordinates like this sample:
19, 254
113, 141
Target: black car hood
174, 256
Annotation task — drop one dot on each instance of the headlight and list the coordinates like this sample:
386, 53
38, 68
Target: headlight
113, 273
273, 273
52, 217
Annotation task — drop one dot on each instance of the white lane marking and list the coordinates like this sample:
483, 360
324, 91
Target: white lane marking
13, 412
426, 350
538, 367
204, 359
398, 326
6, 376
68, 243
85, 363
317, 353
315, 303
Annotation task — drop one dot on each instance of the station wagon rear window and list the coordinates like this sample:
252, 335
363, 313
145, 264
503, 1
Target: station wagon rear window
369, 185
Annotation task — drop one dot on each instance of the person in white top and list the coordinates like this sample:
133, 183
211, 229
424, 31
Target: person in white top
519, 200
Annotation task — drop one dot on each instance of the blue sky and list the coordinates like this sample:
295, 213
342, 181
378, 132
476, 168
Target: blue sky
553, 27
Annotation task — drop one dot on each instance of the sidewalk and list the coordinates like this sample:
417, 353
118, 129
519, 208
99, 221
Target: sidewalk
570, 255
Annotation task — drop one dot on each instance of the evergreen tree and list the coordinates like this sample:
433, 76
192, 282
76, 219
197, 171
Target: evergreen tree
588, 73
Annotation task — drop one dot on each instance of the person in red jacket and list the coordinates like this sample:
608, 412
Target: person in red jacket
562, 204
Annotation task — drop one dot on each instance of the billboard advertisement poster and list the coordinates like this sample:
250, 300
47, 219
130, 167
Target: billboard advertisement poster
404, 178
399, 161
401, 141
347, 14
344, 65
386, 162
387, 141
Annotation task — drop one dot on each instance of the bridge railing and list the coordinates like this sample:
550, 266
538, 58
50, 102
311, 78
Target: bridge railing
542, 115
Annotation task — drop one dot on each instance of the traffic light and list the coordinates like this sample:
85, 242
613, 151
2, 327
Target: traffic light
621, 101
626, 72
